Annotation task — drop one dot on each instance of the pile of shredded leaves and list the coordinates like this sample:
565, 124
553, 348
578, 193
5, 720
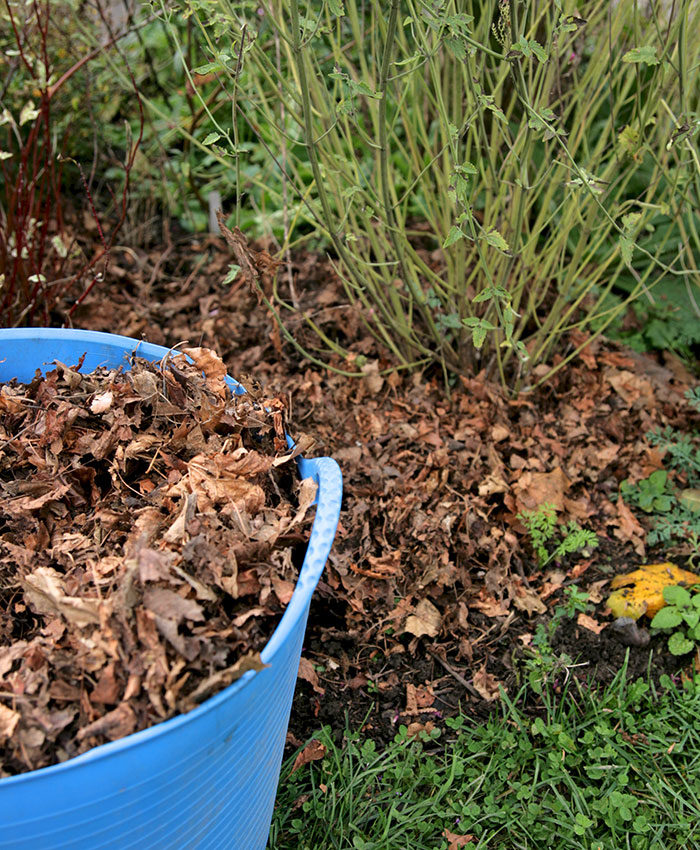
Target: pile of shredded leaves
150, 525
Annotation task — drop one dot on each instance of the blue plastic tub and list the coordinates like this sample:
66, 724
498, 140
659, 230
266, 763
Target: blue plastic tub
206, 779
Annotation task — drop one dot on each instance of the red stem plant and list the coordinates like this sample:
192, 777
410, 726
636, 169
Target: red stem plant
37, 269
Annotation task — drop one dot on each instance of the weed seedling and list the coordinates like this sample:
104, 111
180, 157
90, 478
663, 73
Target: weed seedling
675, 512
652, 494
552, 541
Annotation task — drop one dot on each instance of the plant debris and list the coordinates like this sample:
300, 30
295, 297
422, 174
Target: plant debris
146, 548
432, 485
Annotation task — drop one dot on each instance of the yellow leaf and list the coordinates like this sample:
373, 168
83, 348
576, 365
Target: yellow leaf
641, 592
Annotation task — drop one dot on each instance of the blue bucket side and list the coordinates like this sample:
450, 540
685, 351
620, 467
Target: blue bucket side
203, 780
208, 783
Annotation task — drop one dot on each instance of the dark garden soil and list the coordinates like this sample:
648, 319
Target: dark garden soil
431, 596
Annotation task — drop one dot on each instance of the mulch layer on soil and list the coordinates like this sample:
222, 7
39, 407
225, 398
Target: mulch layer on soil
431, 595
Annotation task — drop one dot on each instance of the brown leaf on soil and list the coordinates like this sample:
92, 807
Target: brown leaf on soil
313, 751
595, 590
489, 605
500, 433
486, 684
527, 600
308, 673
634, 389
414, 729
554, 579
493, 483
589, 623
579, 569
628, 527
418, 698
537, 488
426, 620
456, 841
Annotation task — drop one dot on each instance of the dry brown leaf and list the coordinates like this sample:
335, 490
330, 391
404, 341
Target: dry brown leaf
213, 367
116, 724
628, 527
313, 751
308, 673
171, 606
579, 569
307, 496
418, 698
414, 729
284, 590
632, 388
489, 605
107, 688
8, 722
500, 432
455, 841
486, 684
589, 623
426, 620
43, 590
554, 579
26, 504
372, 379
101, 403
527, 600
214, 485
533, 489
595, 590
223, 678
493, 483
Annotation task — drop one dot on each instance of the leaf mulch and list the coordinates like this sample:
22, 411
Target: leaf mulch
431, 595
148, 548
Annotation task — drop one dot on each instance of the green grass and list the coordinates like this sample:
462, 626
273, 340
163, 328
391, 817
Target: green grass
615, 769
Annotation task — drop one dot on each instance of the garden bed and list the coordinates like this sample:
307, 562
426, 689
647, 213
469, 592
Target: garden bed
433, 487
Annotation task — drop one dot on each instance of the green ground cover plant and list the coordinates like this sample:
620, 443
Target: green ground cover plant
591, 771
674, 510
681, 617
486, 175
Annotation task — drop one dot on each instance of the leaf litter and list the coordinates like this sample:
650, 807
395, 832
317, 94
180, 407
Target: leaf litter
147, 547
432, 486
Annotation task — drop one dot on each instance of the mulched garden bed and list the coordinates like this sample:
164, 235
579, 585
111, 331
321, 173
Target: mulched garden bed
430, 560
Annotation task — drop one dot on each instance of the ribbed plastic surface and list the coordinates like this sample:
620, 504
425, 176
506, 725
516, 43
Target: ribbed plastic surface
207, 779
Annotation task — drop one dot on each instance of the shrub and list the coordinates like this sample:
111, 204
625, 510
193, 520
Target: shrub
485, 173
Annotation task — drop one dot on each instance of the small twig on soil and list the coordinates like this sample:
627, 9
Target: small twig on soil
458, 676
